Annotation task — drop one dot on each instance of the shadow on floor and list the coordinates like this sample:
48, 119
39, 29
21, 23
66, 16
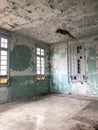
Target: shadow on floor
22, 101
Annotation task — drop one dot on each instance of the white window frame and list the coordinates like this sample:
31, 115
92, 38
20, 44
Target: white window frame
4, 60
40, 63
76, 62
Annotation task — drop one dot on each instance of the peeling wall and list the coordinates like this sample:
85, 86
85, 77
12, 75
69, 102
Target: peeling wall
22, 80
59, 68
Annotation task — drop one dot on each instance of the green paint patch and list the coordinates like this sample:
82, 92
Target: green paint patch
55, 83
92, 81
92, 60
66, 87
60, 84
52, 52
20, 58
3, 94
92, 51
63, 55
96, 39
23, 86
91, 65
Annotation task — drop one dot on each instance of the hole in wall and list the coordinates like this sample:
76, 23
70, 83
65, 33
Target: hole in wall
28, 4
62, 11
51, 6
29, 11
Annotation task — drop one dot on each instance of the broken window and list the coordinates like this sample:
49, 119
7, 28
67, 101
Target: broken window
76, 62
40, 61
4, 67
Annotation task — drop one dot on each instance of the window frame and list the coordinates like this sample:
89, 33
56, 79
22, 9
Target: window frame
4, 79
40, 76
73, 57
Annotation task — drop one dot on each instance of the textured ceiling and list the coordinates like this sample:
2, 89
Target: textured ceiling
41, 18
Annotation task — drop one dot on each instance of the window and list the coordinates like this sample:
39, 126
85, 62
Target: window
76, 63
40, 61
3, 60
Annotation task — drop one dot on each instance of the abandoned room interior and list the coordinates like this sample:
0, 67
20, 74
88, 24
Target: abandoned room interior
49, 65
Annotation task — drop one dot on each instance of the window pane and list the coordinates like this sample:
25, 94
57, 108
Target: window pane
42, 62
43, 68
42, 52
4, 45
3, 52
5, 40
42, 58
38, 58
38, 62
38, 72
3, 72
3, 62
3, 57
2, 39
42, 72
42, 65
3, 67
38, 51
38, 68
38, 65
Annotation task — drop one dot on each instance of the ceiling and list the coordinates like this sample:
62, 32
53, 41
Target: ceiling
41, 18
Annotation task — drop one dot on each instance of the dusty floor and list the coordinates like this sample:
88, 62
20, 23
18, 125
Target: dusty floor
51, 112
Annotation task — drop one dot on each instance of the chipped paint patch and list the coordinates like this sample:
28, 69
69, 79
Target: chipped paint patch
21, 56
91, 65
96, 39
59, 80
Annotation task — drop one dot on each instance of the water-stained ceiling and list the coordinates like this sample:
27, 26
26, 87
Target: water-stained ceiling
41, 18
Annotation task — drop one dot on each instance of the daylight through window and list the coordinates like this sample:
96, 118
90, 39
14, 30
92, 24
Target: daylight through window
3, 60
40, 61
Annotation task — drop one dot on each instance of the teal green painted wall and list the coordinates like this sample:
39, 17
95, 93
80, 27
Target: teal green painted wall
59, 69
96, 39
91, 65
20, 57
23, 86
92, 81
58, 84
22, 80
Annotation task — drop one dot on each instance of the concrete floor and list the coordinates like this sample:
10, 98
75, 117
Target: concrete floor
51, 112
